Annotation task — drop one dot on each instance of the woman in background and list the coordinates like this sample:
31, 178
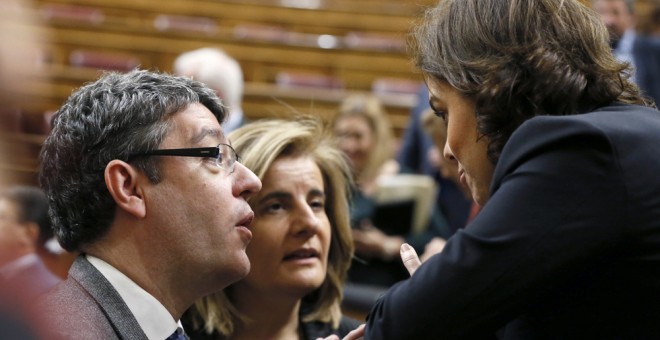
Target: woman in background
365, 135
301, 246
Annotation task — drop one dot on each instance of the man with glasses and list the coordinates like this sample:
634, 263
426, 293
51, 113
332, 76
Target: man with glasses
143, 182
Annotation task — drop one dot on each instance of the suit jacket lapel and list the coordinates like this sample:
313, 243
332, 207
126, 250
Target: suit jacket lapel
108, 299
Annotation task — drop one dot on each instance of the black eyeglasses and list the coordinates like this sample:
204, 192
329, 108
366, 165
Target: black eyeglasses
225, 156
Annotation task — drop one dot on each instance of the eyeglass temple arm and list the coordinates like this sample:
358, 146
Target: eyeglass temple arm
194, 152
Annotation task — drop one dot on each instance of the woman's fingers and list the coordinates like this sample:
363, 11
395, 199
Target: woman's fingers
410, 259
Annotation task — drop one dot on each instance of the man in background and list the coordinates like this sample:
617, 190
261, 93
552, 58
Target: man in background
619, 18
24, 228
220, 72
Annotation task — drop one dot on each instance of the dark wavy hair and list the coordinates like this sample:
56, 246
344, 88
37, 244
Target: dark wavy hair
111, 118
519, 59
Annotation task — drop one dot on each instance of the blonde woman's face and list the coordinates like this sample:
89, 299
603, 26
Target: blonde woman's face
291, 231
356, 140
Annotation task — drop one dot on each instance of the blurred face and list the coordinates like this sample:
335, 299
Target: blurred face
289, 251
356, 139
200, 212
15, 240
463, 143
615, 15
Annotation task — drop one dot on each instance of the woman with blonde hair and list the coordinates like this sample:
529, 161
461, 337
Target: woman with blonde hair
301, 247
365, 135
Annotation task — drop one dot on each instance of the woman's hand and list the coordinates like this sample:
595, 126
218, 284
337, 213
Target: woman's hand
410, 259
433, 247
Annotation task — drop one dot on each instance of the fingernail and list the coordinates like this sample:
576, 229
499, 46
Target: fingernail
405, 247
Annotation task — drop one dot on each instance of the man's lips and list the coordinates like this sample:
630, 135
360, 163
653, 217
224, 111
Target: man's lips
246, 221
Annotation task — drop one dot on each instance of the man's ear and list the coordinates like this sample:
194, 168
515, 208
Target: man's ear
122, 181
30, 235
32, 231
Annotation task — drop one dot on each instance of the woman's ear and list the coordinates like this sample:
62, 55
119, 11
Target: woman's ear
121, 179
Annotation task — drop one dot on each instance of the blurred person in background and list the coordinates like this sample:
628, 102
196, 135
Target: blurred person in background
647, 50
302, 244
416, 145
18, 42
365, 136
19, 47
24, 230
220, 72
619, 18
418, 154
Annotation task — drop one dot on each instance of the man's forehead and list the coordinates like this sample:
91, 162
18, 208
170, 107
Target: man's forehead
207, 132
7, 207
196, 124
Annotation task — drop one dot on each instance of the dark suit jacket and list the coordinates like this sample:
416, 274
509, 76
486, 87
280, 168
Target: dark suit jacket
86, 306
568, 246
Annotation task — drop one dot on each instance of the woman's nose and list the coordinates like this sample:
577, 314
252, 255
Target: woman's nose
306, 222
448, 154
347, 144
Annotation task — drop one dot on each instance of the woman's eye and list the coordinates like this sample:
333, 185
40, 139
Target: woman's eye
317, 205
274, 207
441, 114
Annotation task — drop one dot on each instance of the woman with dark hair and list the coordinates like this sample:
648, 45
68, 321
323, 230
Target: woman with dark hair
561, 152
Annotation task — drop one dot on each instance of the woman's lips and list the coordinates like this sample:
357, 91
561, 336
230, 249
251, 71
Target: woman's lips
301, 254
462, 178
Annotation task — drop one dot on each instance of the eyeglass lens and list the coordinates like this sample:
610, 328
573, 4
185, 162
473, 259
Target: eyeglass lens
227, 157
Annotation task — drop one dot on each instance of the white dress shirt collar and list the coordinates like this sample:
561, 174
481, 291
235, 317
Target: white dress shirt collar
156, 322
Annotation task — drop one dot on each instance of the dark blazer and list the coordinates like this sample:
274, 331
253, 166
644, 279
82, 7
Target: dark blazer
567, 247
86, 306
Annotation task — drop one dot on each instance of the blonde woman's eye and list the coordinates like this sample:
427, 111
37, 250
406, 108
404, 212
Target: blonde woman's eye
275, 207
